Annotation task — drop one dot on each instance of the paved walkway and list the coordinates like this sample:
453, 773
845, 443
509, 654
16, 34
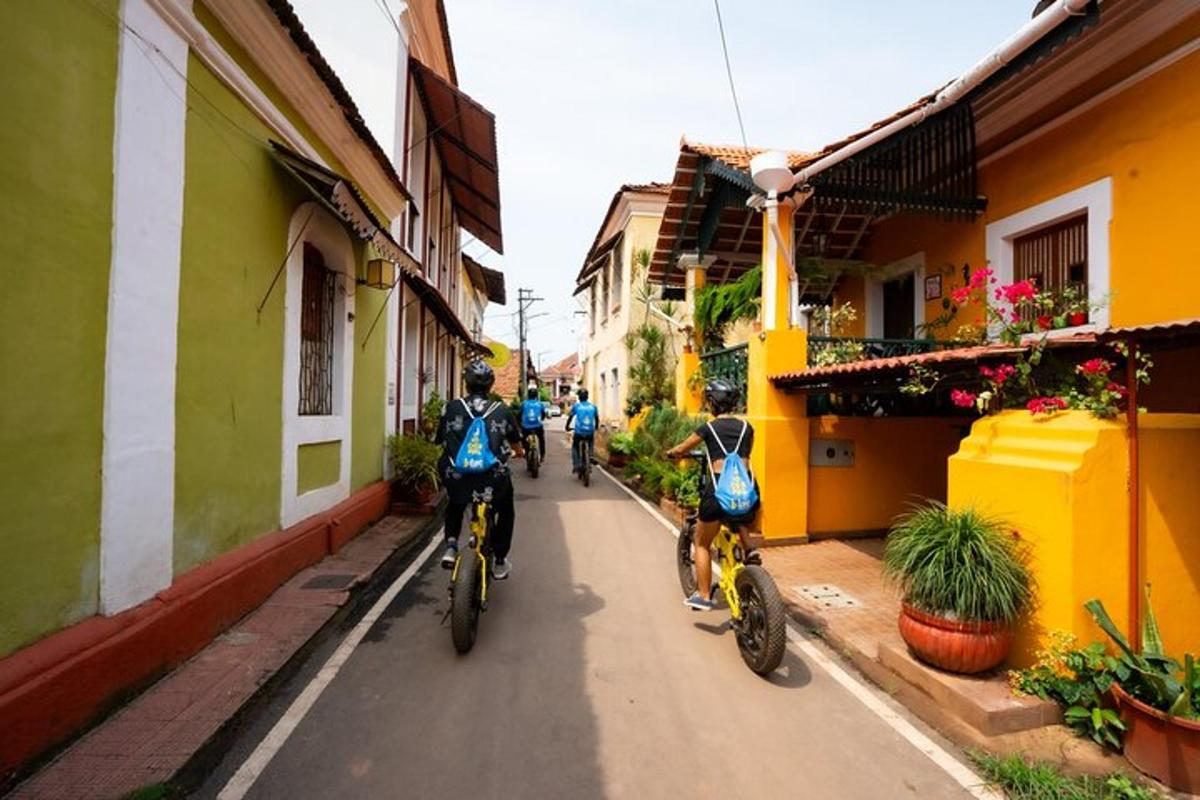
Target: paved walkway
589, 680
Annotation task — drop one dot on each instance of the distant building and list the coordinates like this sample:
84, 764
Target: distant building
562, 377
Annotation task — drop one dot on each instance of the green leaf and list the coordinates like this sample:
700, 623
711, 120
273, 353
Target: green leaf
1152, 643
1077, 712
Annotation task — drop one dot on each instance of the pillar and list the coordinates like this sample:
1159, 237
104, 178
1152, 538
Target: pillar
780, 456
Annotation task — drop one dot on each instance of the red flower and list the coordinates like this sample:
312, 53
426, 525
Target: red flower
1046, 405
961, 295
1014, 293
980, 277
998, 375
962, 398
1095, 366
1045, 323
1116, 389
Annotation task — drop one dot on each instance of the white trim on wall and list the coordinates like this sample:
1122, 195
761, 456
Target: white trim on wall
327, 235
1094, 198
873, 290
137, 505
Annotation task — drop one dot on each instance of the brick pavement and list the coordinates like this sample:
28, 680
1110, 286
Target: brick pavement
148, 741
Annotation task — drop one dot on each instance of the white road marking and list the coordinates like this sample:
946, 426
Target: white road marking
248, 773
868, 695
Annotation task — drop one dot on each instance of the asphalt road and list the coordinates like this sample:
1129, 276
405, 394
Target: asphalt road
589, 679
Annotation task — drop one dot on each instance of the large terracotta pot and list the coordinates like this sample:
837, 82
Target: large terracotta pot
1167, 748
952, 645
617, 460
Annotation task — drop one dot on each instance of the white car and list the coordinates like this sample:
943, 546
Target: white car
556, 411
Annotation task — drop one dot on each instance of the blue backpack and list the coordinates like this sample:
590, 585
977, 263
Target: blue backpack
531, 413
585, 419
475, 453
735, 489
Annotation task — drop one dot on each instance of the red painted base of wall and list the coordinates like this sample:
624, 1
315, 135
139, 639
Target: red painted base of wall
51, 689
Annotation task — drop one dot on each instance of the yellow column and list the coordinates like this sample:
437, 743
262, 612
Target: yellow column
780, 456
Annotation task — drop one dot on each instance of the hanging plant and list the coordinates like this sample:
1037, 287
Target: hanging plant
720, 305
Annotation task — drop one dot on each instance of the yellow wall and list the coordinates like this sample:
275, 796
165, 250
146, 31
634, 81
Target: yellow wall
1169, 463
1061, 482
1145, 140
897, 460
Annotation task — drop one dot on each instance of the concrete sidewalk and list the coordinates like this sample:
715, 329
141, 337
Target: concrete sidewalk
149, 741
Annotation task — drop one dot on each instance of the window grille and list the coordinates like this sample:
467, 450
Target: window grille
316, 335
1054, 258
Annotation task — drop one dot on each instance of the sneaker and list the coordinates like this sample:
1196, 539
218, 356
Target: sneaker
450, 555
698, 603
501, 567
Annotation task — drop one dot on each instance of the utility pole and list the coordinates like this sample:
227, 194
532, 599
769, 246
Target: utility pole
525, 299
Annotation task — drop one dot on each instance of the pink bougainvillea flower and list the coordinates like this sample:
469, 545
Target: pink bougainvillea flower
961, 295
980, 277
1017, 292
1095, 366
963, 398
1046, 405
1116, 389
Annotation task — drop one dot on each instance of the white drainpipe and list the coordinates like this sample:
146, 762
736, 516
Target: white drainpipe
1016, 44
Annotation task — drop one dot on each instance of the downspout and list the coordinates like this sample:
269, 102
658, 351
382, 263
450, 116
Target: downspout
1013, 46
1131, 425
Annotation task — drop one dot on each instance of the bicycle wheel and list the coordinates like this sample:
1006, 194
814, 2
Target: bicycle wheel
533, 457
465, 605
683, 558
762, 632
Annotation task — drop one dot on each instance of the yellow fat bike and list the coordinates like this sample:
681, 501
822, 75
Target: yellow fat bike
755, 607
470, 578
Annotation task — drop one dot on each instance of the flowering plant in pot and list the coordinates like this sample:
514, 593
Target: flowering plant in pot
964, 581
414, 468
1159, 700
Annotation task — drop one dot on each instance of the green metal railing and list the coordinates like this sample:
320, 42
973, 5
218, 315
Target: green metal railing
874, 348
731, 364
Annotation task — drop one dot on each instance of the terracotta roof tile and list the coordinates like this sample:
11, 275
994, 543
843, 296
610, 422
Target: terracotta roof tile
739, 157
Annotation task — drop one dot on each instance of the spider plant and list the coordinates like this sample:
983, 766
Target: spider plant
958, 563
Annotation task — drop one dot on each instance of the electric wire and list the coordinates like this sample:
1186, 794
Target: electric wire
737, 107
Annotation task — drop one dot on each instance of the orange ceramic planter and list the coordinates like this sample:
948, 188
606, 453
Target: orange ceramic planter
1166, 748
963, 647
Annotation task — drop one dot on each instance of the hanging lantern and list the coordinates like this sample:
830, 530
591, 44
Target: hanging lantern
381, 274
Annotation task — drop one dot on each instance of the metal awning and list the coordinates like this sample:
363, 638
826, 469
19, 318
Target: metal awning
432, 299
342, 198
489, 281
465, 135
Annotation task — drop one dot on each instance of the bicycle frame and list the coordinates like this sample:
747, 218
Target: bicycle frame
479, 529
727, 543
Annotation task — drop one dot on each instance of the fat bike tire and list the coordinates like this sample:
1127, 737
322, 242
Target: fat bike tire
465, 603
534, 462
683, 558
763, 634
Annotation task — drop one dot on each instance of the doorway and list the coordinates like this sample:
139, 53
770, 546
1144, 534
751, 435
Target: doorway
898, 301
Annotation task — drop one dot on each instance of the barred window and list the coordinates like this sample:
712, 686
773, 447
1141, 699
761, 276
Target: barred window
316, 335
1054, 258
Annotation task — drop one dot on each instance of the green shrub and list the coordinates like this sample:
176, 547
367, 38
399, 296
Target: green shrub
621, 443
414, 461
663, 428
1024, 780
958, 563
431, 414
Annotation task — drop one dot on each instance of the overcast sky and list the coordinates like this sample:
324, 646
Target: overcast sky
590, 94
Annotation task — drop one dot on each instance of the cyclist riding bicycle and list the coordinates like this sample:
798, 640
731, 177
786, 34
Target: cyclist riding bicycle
722, 436
533, 411
471, 466
585, 416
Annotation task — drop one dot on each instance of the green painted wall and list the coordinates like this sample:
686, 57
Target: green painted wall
317, 465
58, 93
370, 387
229, 429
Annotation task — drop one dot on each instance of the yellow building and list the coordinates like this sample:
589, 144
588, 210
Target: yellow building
612, 287
1068, 158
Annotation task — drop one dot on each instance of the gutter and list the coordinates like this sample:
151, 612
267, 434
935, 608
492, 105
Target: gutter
1012, 47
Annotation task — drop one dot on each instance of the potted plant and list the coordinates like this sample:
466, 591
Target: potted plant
964, 583
620, 448
414, 468
1159, 700
1075, 306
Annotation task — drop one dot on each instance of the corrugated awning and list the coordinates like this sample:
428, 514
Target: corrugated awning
342, 198
465, 135
489, 281
1187, 329
432, 299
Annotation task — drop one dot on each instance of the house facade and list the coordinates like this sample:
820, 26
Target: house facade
1064, 161
562, 378
215, 345
612, 285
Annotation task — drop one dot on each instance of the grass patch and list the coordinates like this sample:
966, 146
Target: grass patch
1022, 780
154, 791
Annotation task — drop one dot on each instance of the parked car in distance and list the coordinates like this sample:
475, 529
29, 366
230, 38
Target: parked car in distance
556, 411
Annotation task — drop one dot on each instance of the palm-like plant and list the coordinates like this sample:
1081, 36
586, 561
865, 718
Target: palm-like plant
958, 563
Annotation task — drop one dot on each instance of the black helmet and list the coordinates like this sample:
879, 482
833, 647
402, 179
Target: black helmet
532, 394
478, 377
583, 395
720, 395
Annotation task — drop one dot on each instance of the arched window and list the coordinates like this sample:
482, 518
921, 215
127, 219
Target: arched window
317, 297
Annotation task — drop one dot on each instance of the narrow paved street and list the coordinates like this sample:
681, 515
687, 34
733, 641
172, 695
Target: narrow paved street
589, 680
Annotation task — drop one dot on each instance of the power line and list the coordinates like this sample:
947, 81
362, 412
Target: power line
383, 6
729, 71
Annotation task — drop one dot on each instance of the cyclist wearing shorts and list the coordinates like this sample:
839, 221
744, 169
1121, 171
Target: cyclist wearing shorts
533, 411
723, 434
584, 414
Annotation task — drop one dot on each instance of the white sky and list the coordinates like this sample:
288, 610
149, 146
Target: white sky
590, 94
